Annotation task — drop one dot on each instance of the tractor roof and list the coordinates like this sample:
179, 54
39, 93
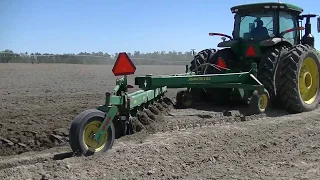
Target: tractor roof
266, 5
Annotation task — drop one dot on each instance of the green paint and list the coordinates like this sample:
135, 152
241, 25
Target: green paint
137, 99
243, 80
116, 89
106, 123
260, 6
116, 100
103, 108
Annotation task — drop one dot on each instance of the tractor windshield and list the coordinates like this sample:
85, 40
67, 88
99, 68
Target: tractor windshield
254, 26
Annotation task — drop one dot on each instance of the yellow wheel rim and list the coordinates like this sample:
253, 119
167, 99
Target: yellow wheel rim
263, 102
88, 136
309, 80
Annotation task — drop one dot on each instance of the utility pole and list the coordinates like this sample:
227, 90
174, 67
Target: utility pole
193, 51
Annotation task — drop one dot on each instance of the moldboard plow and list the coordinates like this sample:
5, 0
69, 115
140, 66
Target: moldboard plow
265, 62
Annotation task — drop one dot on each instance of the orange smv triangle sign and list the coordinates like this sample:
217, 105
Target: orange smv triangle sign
123, 65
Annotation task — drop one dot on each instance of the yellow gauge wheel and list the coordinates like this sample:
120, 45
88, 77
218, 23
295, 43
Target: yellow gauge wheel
83, 129
88, 136
258, 103
309, 80
184, 99
263, 102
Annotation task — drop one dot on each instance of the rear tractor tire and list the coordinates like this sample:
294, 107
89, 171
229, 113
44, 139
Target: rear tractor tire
299, 79
82, 131
268, 71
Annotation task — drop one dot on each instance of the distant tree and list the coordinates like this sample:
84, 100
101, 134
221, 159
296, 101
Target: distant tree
107, 55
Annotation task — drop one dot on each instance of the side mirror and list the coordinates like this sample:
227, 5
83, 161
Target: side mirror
318, 24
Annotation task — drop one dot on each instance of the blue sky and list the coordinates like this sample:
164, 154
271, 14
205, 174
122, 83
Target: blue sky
72, 26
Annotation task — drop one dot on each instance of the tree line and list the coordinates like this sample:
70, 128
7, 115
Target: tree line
154, 58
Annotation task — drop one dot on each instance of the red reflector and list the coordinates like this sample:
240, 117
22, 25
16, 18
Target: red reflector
221, 63
250, 51
123, 65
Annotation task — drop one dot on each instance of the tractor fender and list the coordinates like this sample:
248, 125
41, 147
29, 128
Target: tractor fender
274, 41
227, 43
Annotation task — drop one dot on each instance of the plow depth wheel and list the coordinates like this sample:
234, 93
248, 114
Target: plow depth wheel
89, 130
183, 99
258, 103
82, 132
299, 79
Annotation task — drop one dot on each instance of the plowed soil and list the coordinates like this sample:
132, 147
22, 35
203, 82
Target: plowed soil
39, 101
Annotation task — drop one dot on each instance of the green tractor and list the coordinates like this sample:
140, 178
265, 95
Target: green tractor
269, 34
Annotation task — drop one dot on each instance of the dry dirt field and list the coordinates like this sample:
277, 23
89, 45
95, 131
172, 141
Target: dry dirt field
39, 101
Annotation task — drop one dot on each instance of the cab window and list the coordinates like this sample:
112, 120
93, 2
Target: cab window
288, 21
255, 26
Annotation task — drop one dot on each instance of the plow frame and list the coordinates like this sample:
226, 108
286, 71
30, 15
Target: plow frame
152, 88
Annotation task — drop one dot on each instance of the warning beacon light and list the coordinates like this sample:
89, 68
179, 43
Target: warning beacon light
123, 65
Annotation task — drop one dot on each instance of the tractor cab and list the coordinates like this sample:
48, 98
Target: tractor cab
261, 25
262, 21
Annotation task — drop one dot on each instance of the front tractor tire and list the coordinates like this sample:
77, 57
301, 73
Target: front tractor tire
201, 58
299, 79
82, 131
220, 96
